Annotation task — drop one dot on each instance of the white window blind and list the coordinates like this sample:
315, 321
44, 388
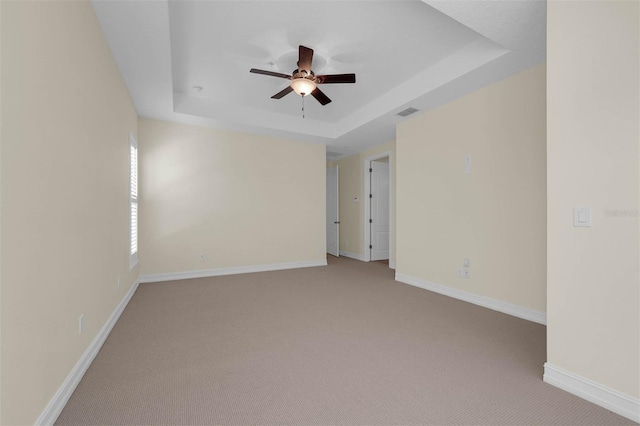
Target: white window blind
133, 197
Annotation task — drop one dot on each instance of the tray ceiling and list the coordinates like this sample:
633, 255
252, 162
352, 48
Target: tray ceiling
189, 61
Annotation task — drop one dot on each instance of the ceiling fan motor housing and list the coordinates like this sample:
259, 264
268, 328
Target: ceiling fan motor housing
303, 74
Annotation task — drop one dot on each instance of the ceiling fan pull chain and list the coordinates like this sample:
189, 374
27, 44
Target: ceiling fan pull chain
302, 106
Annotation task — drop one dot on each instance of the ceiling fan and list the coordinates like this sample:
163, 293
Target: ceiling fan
304, 81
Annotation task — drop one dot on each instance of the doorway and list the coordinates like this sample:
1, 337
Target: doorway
379, 223
377, 208
333, 212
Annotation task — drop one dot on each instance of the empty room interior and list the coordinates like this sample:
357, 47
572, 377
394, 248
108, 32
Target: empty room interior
319, 212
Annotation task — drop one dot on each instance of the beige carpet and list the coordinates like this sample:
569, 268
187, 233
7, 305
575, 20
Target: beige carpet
342, 344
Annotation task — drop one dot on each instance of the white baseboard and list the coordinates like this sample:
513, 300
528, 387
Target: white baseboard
361, 258
61, 397
603, 396
173, 276
487, 302
355, 256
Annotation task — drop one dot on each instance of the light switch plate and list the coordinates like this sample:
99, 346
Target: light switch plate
582, 216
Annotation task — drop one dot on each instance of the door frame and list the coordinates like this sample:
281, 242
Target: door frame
367, 206
337, 209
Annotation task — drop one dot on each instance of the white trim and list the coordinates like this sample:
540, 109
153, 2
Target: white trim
51, 412
337, 222
360, 257
367, 204
135, 262
487, 302
603, 396
172, 276
338, 207
355, 256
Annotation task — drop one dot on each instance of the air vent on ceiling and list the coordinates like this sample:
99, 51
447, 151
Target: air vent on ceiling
406, 112
333, 154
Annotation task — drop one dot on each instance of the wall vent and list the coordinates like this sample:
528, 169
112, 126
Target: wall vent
406, 112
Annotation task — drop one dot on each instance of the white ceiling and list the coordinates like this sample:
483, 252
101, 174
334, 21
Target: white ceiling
416, 53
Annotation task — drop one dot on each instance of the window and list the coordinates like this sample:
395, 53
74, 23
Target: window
133, 201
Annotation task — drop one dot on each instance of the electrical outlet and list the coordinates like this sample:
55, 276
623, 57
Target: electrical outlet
81, 324
202, 257
466, 274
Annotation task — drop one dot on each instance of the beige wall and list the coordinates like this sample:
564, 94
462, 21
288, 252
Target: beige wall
66, 118
1, 137
240, 199
351, 175
593, 273
495, 216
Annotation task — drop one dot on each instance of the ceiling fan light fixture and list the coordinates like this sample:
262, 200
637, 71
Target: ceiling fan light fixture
303, 86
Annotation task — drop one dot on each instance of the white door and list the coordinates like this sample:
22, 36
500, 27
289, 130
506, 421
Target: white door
379, 210
333, 220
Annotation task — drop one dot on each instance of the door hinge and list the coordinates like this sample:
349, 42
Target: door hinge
370, 170
370, 246
370, 220
370, 195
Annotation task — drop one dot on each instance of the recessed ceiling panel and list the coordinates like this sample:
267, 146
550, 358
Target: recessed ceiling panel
214, 44
189, 61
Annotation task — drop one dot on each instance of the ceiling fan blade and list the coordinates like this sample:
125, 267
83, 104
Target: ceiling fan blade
305, 56
283, 92
271, 73
320, 96
336, 78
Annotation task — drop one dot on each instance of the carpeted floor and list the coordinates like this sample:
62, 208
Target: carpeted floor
342, 344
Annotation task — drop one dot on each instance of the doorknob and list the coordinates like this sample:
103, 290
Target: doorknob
336, 222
